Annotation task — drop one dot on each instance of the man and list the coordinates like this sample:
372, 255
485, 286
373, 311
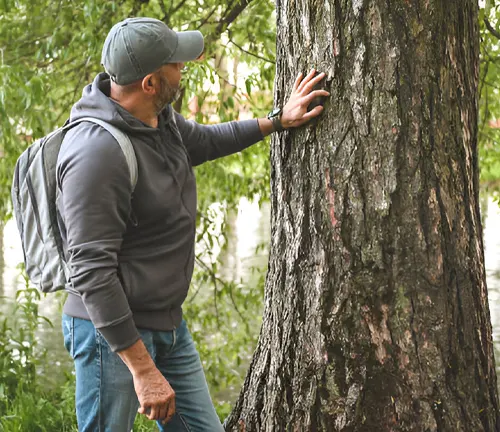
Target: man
131, 255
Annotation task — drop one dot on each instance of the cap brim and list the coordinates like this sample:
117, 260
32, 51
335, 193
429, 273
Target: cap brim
189, 47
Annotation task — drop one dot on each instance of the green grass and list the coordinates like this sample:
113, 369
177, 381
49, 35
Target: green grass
37, 396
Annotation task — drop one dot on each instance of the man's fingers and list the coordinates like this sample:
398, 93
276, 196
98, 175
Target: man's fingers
311, 114
297, 81
162, 412
309, 86
168, 416
306, 79
144, 409
314, 94
153, 413
171, 409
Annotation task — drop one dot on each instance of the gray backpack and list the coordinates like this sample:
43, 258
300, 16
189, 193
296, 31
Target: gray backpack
34, 201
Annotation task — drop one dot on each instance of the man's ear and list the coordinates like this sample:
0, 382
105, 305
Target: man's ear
148, 84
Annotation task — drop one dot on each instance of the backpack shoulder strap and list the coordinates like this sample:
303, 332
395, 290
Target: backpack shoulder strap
123, 141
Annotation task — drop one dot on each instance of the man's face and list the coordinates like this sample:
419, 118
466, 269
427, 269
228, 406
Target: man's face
168, 90
173, 71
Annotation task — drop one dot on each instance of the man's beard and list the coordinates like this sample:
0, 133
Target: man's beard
166, 95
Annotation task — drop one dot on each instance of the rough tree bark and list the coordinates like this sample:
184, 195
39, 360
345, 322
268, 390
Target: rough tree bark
376, 315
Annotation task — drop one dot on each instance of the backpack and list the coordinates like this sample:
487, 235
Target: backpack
34, 202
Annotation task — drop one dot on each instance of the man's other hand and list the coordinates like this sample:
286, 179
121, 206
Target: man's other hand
156, 396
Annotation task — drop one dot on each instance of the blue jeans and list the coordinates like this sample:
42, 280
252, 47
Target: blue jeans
105, 395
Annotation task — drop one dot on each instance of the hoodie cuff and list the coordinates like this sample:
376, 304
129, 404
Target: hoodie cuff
250, 132
121, 336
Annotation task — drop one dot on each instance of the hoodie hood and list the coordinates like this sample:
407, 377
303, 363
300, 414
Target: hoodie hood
95, 102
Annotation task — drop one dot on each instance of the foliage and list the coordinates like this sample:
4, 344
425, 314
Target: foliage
489, 103
48, 52
25, 403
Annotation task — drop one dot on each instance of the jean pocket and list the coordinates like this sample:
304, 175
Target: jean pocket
184, 423
68, 327
176, 424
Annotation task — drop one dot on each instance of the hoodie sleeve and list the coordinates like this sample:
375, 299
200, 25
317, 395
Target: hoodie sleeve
95, 202
208, 142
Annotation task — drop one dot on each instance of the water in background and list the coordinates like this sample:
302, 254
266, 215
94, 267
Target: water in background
249, 229
492, 264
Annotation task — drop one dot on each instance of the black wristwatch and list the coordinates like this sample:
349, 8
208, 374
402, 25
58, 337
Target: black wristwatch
275, 117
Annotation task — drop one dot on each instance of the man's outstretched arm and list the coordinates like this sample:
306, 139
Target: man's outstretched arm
208, 142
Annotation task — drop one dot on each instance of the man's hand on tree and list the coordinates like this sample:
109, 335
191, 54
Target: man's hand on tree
295, 112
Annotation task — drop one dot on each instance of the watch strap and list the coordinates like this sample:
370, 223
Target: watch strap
276, 121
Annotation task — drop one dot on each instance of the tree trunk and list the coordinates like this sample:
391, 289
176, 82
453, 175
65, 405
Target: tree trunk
376, 315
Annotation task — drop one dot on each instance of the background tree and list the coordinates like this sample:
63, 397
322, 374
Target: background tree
376, 315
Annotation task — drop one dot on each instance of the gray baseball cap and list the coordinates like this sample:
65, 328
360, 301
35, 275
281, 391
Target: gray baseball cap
137, 47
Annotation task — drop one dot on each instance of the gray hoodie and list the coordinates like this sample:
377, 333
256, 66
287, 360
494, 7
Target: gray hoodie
131, 256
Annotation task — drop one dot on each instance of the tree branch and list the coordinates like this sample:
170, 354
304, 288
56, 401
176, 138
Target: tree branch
215, 280
175, 9
166, 12
251, 53
491, 28
137, 6
207, 17
228, 17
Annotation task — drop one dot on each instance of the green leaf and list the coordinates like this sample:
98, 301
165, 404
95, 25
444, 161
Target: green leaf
488, 6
